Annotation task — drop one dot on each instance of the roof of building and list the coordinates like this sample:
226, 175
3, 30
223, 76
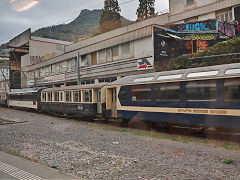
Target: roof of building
50, 40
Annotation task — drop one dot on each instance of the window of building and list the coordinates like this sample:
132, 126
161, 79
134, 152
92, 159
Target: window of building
126, 50
94, 58
115, 53
49, 94
232, 89
48, 72
201, 90
101, 56
63, 66
225, 15
85, 60
111, 79
167, 92
57, 68
76, 96
109, 55
190, 2
71, 65
37, 73
141, 93
87, 95
56, 96
68, 95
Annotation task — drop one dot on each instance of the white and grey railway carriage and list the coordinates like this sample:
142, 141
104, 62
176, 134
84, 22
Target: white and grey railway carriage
205, 96
25, 98
79, 100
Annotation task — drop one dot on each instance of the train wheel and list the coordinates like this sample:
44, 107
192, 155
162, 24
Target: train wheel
138, 124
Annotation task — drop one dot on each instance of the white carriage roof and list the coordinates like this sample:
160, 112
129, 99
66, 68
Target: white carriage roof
225, 70
78, 87
26, 90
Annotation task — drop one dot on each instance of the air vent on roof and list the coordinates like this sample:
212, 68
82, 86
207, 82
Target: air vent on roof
143, 79
202, 74
232, 71
175, 76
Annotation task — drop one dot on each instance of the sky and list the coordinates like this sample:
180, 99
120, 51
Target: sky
18, 15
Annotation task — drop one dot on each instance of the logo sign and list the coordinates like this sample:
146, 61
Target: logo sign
145, 63
30, 82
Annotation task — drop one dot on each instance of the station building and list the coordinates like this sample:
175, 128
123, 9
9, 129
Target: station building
109, 56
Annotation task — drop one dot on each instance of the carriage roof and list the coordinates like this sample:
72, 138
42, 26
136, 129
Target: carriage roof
226, 70
77, 87
25, 90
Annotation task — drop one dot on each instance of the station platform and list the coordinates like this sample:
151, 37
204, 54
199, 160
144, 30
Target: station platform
15, 168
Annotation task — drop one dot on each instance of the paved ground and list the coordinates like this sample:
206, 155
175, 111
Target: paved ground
13, 168
92, 153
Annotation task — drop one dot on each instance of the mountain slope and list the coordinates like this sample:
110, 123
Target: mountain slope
84, 25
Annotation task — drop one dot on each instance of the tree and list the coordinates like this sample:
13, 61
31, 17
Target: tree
110, 18
145, 10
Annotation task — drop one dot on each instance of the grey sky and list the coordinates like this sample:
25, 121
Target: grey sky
19, 15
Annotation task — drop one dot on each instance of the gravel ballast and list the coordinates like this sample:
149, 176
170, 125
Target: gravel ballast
93, 153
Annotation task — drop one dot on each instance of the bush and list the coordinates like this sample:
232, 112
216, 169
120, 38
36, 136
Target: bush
221, 48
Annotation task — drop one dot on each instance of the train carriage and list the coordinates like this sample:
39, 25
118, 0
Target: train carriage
205, 96
3, 99
25, 98
78, 100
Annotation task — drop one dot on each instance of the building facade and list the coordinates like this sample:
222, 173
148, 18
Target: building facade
106, 57
183, 11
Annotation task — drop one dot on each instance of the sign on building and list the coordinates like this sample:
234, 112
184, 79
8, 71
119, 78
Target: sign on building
145, 63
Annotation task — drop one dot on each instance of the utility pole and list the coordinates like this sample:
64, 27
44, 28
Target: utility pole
78, 69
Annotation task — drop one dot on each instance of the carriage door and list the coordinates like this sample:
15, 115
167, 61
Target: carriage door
99, 104
114, 102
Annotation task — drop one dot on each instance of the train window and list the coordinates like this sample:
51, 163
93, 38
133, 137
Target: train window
232, 71
76, 96
56, 96
68, 95
167, 92
44, 97
87, 95
49, 96
202, 74
201, 90
123, 94
141, 93
61, 96
232, 89
143, 79
175, 76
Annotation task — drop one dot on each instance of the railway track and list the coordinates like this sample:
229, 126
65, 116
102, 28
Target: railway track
211, 133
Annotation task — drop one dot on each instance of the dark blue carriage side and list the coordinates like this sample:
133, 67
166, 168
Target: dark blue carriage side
220, 121
78, 109
77, 100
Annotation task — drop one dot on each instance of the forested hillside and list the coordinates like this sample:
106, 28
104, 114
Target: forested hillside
86, 24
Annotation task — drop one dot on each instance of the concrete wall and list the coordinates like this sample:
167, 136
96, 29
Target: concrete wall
201, 7
143, 47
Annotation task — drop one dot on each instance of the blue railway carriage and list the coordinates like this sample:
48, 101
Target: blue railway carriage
3, 99
25, 98
202, 97
78, 100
